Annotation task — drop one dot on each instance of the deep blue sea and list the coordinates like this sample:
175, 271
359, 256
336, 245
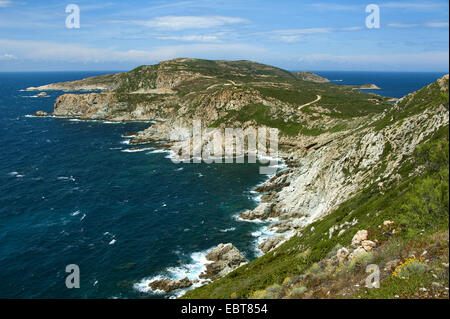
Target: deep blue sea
69, 194
392, 84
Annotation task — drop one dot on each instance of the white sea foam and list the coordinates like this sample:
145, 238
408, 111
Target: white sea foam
91, 120
263, 234
75, 213
255, 196
112, 242
65, 178
135, 150
158, 151
228, 230
13, 173
190, 270
34, 96
125, 142
255, 221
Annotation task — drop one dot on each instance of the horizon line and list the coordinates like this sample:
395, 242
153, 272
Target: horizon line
298, 70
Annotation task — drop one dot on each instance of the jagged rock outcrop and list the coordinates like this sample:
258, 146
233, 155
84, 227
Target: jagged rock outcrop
261, 212
271, 243
224, 259
168, 285
40, 113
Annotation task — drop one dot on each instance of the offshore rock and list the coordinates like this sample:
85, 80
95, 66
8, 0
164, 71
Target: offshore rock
168, 285
224, 259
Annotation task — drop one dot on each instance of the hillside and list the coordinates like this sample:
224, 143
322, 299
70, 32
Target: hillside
221, 93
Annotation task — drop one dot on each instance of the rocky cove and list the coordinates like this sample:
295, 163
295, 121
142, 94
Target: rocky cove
323, 170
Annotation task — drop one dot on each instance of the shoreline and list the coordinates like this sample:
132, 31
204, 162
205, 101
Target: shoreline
198, 259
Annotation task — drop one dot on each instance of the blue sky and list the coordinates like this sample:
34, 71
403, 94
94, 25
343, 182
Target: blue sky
292, 34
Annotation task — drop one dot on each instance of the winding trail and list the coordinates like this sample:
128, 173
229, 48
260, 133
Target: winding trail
316, 100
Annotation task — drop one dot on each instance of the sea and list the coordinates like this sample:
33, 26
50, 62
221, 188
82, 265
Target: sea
74, 193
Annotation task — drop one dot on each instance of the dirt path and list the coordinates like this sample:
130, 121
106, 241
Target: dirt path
316, 100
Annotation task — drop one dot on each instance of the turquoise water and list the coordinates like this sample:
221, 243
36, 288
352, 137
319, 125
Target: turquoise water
70, 195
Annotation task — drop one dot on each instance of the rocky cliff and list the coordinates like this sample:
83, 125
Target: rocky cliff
341, 164
371, 199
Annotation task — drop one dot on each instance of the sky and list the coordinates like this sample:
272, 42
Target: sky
291, 34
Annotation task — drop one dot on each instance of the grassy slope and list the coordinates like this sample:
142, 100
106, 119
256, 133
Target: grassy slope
418, 204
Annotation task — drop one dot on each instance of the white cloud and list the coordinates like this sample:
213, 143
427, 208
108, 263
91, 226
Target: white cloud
192, 38
437, 24
5, 3
302, 31
426, 60
335, 6
407, 5
73, 53
296, 35
402, 25
413, 5
7, 56
288, 38
414, 25
176, 23
352, 28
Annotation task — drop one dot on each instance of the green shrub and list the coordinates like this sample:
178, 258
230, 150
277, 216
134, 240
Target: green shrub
297, 291
415, 268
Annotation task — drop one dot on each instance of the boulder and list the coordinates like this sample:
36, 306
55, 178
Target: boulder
40, 113
359, 237
224, 259
388, 223
271, 243
358, 251
342, 254
168, 285
368, 245
261, 212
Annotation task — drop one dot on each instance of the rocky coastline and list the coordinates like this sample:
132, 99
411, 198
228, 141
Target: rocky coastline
323, 170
